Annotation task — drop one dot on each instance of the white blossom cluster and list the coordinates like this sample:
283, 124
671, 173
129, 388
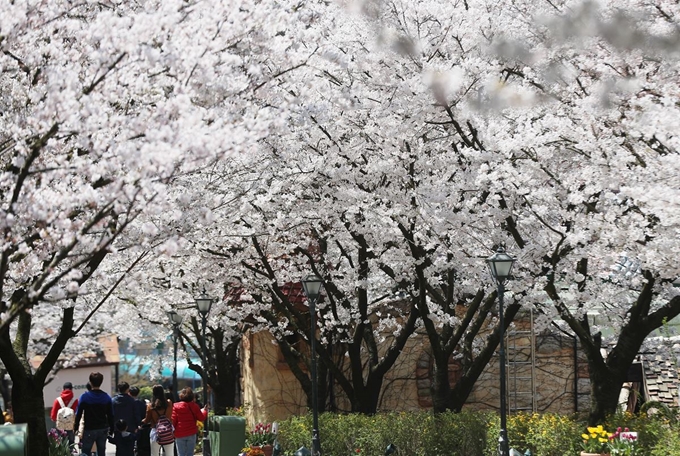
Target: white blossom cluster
236, 145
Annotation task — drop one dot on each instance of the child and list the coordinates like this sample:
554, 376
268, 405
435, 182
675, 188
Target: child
143, 440
124, 440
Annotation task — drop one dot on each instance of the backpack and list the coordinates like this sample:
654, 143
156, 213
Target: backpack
164, 431
66, 417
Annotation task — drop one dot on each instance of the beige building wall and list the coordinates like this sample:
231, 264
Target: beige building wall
270, 390
273, 393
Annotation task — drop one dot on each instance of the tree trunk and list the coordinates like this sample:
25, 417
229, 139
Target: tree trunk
222, 357
28, 407
225, 395
225, 376
367, 401
368, 363
472, 370
441, 385
608, 375
444, 341
605, 387
27, 384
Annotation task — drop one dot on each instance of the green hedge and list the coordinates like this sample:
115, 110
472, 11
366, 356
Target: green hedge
465, 434
412, 433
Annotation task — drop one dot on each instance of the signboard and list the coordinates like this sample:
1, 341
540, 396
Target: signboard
78, 376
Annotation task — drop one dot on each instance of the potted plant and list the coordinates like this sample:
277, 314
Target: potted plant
59, 445
252, 451
623, 443
263, 436
595, 441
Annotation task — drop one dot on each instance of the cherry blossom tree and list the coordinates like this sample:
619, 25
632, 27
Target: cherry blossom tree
564, 136
611, 144
373, 199
559, 142
409, 140
422, 135
105, 105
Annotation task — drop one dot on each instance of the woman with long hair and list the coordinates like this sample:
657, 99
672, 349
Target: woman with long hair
185, 413
159, 406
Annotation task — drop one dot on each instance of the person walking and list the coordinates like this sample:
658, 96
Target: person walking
185, 413
63, 412
123, 439
143, 444
125, 408
96, 409
158, 415
140, 404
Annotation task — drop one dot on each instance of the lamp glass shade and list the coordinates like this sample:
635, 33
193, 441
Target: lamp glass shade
500, 265
203, 303
312, 286
175, 318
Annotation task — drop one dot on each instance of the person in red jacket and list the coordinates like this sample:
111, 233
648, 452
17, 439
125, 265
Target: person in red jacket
66, 397
185, 414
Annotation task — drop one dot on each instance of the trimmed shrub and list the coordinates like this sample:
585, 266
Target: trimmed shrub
469, 433
413, 433
553, 435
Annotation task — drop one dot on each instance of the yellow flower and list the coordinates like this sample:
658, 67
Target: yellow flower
596, 439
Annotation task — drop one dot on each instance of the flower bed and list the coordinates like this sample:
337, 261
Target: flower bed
470, 434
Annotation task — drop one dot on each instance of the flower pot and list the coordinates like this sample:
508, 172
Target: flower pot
268, 450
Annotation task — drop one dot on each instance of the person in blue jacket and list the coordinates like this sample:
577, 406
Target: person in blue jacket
95, 409
125, 408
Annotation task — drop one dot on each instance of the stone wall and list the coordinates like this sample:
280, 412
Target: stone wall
555, 374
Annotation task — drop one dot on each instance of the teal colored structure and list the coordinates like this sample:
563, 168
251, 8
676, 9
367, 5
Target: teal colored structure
14, 440
227, 435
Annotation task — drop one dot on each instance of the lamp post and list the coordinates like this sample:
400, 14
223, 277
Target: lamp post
176, 320
203, 304
500, 265
312, 285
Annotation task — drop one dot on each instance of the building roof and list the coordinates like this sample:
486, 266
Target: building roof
660, 378
107, 355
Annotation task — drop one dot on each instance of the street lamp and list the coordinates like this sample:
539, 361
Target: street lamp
176, 320
203, 304
500, 265
312, 285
